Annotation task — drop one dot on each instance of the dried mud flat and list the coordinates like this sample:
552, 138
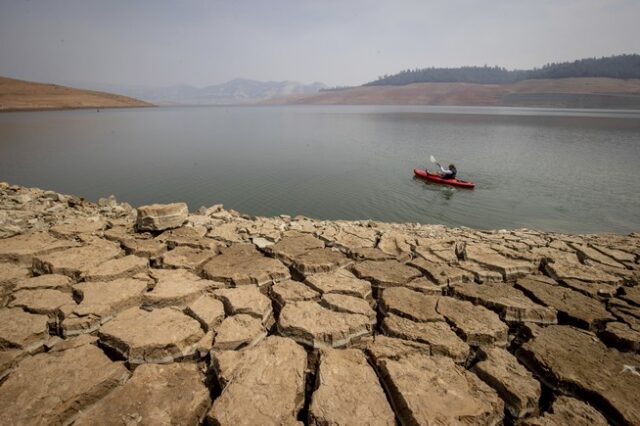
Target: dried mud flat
110, 315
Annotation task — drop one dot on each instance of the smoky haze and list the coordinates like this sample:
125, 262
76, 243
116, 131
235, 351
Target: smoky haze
336, 42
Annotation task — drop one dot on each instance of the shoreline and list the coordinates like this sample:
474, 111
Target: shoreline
72, 108
283, 319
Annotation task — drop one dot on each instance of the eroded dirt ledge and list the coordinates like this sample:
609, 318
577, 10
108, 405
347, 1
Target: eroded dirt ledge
111, 315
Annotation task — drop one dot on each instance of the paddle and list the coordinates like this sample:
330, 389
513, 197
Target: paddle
433, 160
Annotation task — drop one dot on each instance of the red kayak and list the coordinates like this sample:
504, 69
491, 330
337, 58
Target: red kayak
423, 174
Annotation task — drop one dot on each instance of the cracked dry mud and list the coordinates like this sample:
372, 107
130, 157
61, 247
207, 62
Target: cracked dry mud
110, 315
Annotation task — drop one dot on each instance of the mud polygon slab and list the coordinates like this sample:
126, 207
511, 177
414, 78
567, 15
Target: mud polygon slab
51, 388
340, 281
571, 305
438, 335
292, 291
319, 260
510, 303
242, 264
207, 310
22, 330
245, 300
410, 304
265, 387
311, 324
567, 358
155, 394
348, 304
76, 261
477, 324
99, 302
513, 382
187, 257
42, 282
22, 248
434, 390
349, 391
388, 273
122, 267
239, 331
160, 336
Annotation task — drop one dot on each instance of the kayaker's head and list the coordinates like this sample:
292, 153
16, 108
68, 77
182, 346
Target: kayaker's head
452, 167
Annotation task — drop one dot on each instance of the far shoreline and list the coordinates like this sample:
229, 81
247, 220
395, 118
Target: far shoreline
74, 108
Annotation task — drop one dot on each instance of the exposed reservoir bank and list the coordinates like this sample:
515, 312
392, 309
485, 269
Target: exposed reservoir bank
548, 169
273, 320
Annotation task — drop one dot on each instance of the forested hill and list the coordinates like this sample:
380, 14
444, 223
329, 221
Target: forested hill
622, 67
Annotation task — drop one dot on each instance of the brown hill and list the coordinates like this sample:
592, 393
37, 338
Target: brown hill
19, 95
563, 93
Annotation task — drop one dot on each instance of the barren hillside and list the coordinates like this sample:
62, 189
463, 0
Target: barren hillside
568, 93
16, 95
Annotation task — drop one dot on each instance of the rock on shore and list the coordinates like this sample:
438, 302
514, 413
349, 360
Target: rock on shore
108, 313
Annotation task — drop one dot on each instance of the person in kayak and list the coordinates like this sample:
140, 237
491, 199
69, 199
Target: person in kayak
449, 173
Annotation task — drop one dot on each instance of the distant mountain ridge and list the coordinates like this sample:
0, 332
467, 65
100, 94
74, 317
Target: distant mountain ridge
619, 67
237, 91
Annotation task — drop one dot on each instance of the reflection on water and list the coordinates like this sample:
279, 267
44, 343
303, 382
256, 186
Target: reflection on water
574, 171
446, 192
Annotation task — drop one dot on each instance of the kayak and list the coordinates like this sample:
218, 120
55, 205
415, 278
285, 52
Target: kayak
423, 174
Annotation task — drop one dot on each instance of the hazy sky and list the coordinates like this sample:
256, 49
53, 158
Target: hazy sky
200, 42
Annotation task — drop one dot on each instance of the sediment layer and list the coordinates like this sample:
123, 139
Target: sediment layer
109, 312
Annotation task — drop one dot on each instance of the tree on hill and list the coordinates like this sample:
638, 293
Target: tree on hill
622, 66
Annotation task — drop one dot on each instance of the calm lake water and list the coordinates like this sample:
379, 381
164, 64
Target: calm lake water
561, 170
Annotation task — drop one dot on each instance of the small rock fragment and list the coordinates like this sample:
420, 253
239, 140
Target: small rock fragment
158, 217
